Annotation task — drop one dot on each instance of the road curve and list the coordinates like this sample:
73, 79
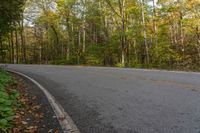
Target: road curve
112, 100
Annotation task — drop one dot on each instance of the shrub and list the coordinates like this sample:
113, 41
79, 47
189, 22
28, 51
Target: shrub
7, 101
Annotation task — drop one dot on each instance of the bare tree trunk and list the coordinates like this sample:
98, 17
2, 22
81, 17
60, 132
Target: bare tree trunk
155, 36
144, 32
78, 50
154, 23
68, 38
84, 25
84, 38
123, 36
1, 48
128, 53
181, 32
68, 44
41, 47
72, 35
24, 60
12, 47
17, 47
57, 45
198, 40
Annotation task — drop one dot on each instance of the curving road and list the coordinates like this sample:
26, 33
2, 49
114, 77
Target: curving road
112, 100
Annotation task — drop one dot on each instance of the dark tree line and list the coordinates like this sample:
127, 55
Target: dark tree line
11, 30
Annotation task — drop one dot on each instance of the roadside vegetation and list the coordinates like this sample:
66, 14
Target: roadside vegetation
22, 107
8, 101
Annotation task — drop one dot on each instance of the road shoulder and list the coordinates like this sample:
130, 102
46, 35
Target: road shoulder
35, 113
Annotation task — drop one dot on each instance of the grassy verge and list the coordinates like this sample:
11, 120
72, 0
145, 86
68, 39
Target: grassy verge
8, 100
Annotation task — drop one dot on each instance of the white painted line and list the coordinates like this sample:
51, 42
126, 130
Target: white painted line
64, 119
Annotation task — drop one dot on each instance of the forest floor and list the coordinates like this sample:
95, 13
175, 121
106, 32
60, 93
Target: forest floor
36, 114
33, 112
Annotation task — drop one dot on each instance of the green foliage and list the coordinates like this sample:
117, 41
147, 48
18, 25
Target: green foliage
119, 65
7, 101
10, 12
94, 55
165, 34
163, 54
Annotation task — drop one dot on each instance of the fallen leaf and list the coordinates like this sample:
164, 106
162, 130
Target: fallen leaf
24, 123
50, 131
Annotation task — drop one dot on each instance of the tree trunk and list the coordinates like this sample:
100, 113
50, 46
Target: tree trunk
78, 50
154, 23
84, 38
57, 45
68, 38
198, 40
24, 60
155, 36
181, 32
17, 47
84, 25
172, 35
1, 52
123, 34
145, 33
12, 47
68, 45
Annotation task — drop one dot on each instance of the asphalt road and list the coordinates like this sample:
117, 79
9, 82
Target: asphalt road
111, 100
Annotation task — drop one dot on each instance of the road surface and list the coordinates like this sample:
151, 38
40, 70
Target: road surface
112, 100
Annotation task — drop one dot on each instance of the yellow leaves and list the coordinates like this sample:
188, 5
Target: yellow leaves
60, 3
190, 4
49, 17
132, 7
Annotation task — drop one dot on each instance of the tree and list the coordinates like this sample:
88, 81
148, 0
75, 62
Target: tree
10, 13
125, 33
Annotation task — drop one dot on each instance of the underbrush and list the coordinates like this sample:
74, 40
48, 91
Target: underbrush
8, 100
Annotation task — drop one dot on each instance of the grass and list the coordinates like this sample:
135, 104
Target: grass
8, 101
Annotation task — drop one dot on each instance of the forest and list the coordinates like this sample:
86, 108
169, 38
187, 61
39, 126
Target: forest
163, 34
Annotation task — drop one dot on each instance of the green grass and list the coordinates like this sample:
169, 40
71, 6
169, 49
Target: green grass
8, 101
